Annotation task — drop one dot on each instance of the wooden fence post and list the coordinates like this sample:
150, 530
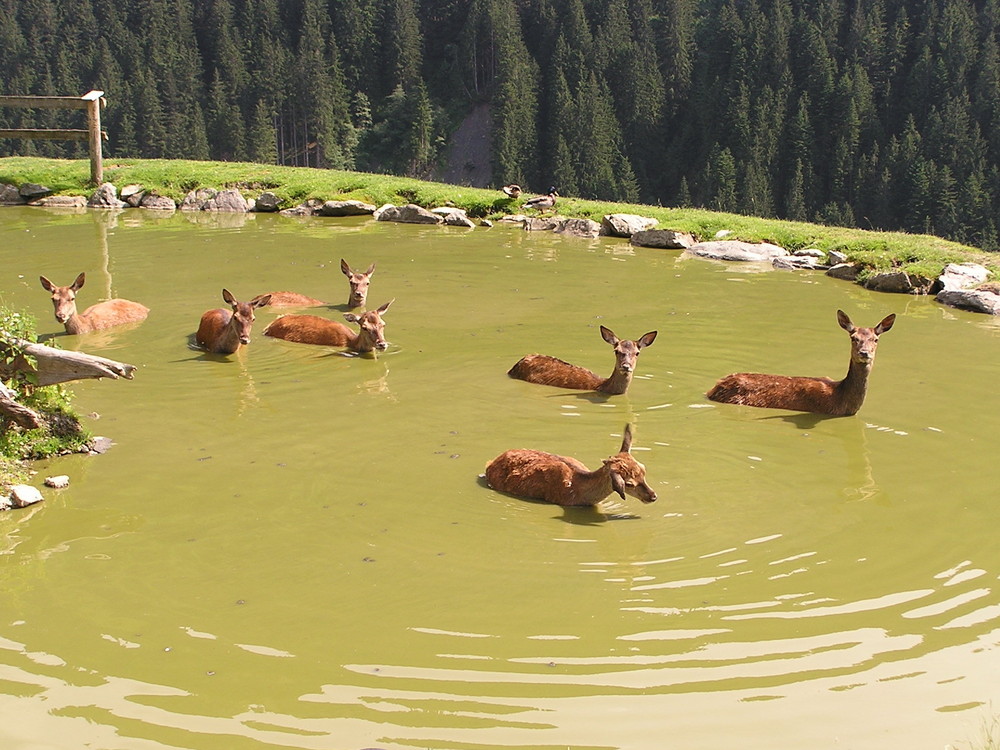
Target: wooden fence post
95, 100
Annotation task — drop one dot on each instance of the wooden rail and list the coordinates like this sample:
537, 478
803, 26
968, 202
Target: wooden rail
92, 102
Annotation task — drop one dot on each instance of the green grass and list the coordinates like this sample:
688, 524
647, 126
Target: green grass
923, 255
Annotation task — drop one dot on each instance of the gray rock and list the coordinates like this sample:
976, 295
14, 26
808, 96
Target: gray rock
33, 191
157, 202
106, 196
454, 217
57, 482
583, 228
100, 445
960, 276
309, 208
735, 250
132, 195
62, 201
664, 238
267, 203
10, 196
844, 271
835, 257
485, 223
976, 300
23, 495
229, 200
196, 199
795, 263
810, 252
897, 282
408, 214
346, 208
6, 503
540, 224
625, 225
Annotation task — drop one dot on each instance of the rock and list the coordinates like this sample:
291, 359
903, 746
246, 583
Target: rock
897, 282
57, 482
157, 202
267, 203
6, 503
23, 495
835, 257
196, 199
737, 251
960, 276
454, 217
665, 238
625, 225
308, 208
106, 196
62, 201
10, 196
844, 271
976, 300
132, 195
229, 200
583, 228
485, 223
513, 219
31, 191
99, 445
346, 208
540, 224
723, 233
408, 214
795, 263
810, 252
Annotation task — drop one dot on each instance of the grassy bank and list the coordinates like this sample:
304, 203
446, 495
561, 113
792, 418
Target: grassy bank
920, 254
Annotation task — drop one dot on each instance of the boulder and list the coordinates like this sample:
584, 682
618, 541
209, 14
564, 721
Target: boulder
408, 214
960, 276
31, 191
267, 202
625, 225
583, 228
196, 199
308, 208
835, 257
540, 223
844, 271
157, 202
57, 482
737, 251
796, 263
62, 201
454, 217
229, 200
106, 196
23, 495
664, 238
976, 300
132, 195
10, 196
346, 208
897, 282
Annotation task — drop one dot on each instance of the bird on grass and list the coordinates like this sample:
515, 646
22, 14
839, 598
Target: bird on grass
512, 191
543, 202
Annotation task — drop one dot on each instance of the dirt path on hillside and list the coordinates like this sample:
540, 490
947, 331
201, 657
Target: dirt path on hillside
467, 157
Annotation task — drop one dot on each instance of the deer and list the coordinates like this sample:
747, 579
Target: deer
107, 314
223, 331
839, 398
545, 370
565, 481
358, 280
312, 329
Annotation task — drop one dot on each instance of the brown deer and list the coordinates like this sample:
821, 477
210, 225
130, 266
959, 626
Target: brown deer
223, 331
839, 398
358, 280
565, 481
312, 329
107, 314
545, 370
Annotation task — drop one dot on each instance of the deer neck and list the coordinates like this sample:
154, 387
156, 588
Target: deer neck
76, 324
592, 486
360, 343
618, 382
852, 389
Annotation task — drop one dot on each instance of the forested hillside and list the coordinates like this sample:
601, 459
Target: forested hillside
881, 114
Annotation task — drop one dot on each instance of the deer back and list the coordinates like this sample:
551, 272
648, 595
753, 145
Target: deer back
289, 299
310, 329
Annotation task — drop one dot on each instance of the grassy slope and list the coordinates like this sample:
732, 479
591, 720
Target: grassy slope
921, 254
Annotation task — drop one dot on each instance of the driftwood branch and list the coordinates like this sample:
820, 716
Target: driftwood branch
60, 366
15, 412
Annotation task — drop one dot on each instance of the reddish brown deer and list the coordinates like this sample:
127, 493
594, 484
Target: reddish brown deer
839, 398
545, 370
358, 280
107, 314
312, 329
224, 331
565, 481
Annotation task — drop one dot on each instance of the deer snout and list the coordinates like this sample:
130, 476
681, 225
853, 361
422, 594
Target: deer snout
382, 345
244, 338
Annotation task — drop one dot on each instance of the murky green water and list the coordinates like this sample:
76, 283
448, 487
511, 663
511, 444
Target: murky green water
289, 548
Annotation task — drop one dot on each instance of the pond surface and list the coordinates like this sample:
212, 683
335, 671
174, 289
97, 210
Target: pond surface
291, 548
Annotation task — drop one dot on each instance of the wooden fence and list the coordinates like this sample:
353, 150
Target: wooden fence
91, 101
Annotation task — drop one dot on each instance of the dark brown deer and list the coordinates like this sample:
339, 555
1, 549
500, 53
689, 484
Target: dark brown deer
545, 370
358, 280
565, 481
312, 329
107, 314
224, 331
839, 398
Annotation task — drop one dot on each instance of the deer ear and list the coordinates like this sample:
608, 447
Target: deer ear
371, 270
608, 335
845, 322
627, 439
647, 339
262, 301
228, 298
618, 485
885, 325
47, 285
79, 281
351, 318
344, 267
381, 310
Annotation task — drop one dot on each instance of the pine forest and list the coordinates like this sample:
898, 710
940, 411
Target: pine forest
879, 114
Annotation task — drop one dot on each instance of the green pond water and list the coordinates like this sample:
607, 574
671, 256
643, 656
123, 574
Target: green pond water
292, 548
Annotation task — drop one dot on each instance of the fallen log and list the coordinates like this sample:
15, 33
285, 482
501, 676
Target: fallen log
19, 414
58, 365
